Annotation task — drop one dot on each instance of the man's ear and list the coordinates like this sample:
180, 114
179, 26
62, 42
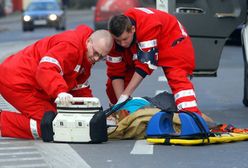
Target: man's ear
133, 29
87, 41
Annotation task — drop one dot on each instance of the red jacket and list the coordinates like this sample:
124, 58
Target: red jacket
159, 27
163, 29
122, 62
50, 66
175, 53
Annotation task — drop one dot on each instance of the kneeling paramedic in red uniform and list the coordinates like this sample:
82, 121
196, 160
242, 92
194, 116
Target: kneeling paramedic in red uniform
145, 39
53, 68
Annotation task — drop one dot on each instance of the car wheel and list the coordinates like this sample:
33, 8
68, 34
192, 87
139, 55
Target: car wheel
27, 28
245, 99
24, 29
57, 28
60, 27
245, 55
63, 28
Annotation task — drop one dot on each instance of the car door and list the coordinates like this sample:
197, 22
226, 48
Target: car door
210, 23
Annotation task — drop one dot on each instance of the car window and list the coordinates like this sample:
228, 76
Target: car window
42, 6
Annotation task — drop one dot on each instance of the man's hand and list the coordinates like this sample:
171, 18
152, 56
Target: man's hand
122, 98
64, 99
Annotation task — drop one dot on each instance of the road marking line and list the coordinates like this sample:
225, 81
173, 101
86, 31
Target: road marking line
27, 165
17, 148
19, 153
60, 155
20, 159
162, 79
142, 148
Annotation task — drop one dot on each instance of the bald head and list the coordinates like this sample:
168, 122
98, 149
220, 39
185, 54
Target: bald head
103, 40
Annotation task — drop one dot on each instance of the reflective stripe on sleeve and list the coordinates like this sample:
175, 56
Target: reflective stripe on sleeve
184, 105
148, 11
114, 59
77, 68
33, 129
182, 29
135, 56
148, 44
81, 86
184, 93
53, 61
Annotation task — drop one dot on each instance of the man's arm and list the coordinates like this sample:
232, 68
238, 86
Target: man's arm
53, 66
118, 86
133, 84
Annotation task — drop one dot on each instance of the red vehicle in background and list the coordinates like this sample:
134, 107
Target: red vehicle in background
107, 8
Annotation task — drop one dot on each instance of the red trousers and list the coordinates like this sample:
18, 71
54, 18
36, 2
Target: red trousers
178, 80
25, 124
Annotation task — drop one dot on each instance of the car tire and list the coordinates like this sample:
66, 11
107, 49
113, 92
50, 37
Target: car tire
245, 99
244, 40
60, 27
25, 29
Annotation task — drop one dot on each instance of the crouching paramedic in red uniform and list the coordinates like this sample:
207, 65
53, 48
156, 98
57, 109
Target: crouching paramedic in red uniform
56, 67
146, 39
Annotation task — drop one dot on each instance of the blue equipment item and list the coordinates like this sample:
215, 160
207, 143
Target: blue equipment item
193, 126
194, 131
160, 124
149, 58
134, 104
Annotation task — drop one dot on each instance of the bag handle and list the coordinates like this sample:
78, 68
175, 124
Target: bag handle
116, 107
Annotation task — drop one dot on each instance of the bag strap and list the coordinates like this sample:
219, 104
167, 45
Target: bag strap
114, 108
203, 132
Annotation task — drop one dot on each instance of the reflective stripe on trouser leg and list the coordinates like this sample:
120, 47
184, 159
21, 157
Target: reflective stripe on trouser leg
16, 125
182, 89
187, 104
184, 93
33, 128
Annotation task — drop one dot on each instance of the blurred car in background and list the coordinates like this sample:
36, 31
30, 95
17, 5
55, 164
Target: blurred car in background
46, 13
106, 8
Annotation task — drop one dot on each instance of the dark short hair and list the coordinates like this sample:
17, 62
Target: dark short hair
118, 24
